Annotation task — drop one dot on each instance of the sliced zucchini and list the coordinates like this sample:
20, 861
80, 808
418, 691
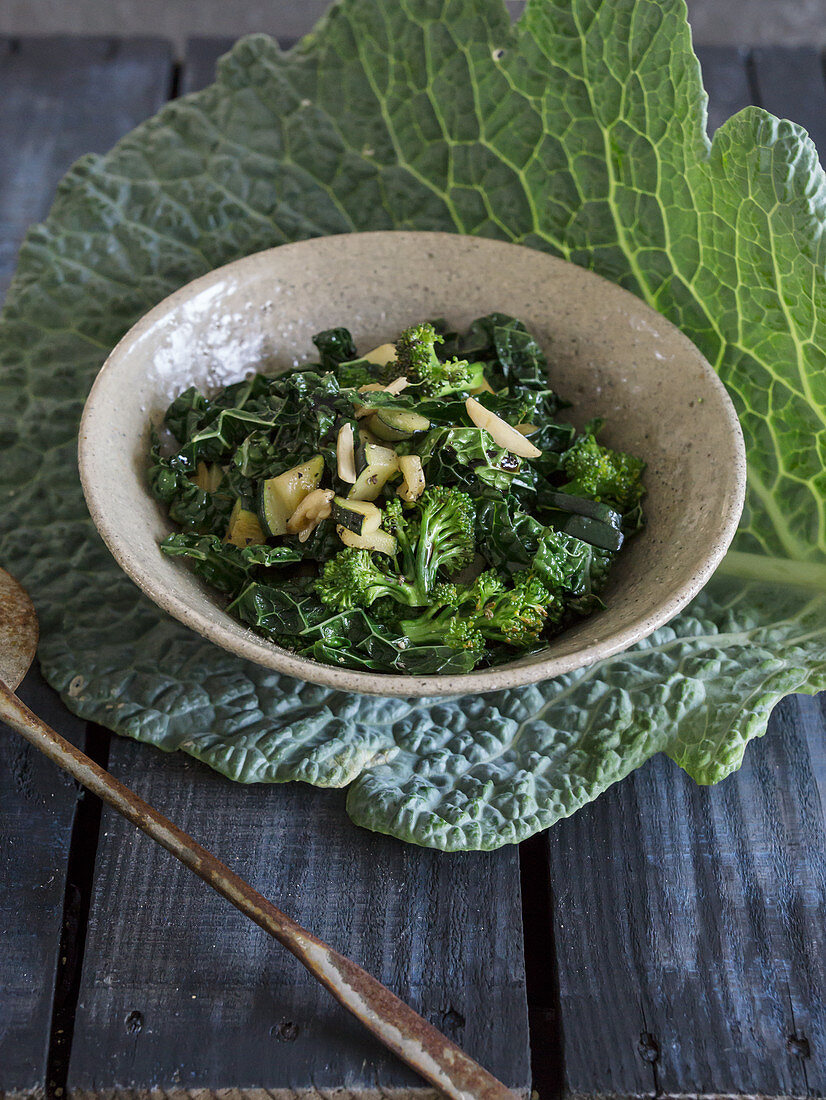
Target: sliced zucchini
582, 506
373, 454
278, 497
592, 532
371, 481
243, 528
394, 424
209, 477
359, 516
379, 540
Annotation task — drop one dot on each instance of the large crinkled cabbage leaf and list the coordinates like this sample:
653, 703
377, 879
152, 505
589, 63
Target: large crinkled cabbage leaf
581, 131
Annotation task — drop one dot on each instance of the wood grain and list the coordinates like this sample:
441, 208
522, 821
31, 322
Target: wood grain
37, 804
690, 925
180, 992
59, 98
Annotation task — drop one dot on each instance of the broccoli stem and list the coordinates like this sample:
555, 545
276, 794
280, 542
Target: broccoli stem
429, 628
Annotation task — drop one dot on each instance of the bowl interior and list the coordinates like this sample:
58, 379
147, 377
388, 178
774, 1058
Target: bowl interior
609, 354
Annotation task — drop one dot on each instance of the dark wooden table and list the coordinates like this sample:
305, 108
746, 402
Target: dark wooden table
666, 940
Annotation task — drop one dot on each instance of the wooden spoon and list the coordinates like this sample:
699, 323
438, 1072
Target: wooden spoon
393, 1022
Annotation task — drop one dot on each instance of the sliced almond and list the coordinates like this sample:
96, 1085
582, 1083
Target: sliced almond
525, 429
382, 355
500, 431
345, 454
413, 485
382, 541
208, 478
486, 387
315, 507
397, 385
366, 436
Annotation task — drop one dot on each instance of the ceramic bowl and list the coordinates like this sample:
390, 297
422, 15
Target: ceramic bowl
610, 355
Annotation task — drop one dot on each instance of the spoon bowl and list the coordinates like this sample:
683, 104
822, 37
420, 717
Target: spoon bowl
18, 631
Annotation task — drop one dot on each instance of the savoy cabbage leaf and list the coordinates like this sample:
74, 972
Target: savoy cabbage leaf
581, 131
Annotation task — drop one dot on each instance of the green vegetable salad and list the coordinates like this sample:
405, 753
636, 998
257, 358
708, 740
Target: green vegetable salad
414, 509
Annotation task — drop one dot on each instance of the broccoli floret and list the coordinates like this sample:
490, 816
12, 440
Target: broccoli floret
517, 616
443, 626
417, 360
487, 586
445, 538
448, 595
437, 534
488, 610
354, 578
602, 474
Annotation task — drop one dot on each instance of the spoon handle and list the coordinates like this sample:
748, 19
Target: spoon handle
393, 1022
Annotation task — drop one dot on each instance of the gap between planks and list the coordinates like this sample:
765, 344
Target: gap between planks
423, 1093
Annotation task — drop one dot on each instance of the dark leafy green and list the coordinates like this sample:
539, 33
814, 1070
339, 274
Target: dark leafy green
335, 346
224, 566
512, 540
294, 617
400, 609
194, 509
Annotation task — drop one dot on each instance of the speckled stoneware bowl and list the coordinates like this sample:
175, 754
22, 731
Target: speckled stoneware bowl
610, 355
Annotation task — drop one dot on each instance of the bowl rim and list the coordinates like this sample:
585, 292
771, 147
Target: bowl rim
262, 652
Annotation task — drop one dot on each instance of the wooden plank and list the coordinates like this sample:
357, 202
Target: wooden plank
179, 991
726, 80
175, 21
690, 926
789, 82
62, 97
58, 99
37, 806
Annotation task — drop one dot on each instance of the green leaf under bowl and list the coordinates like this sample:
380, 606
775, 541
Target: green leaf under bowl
581, 132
